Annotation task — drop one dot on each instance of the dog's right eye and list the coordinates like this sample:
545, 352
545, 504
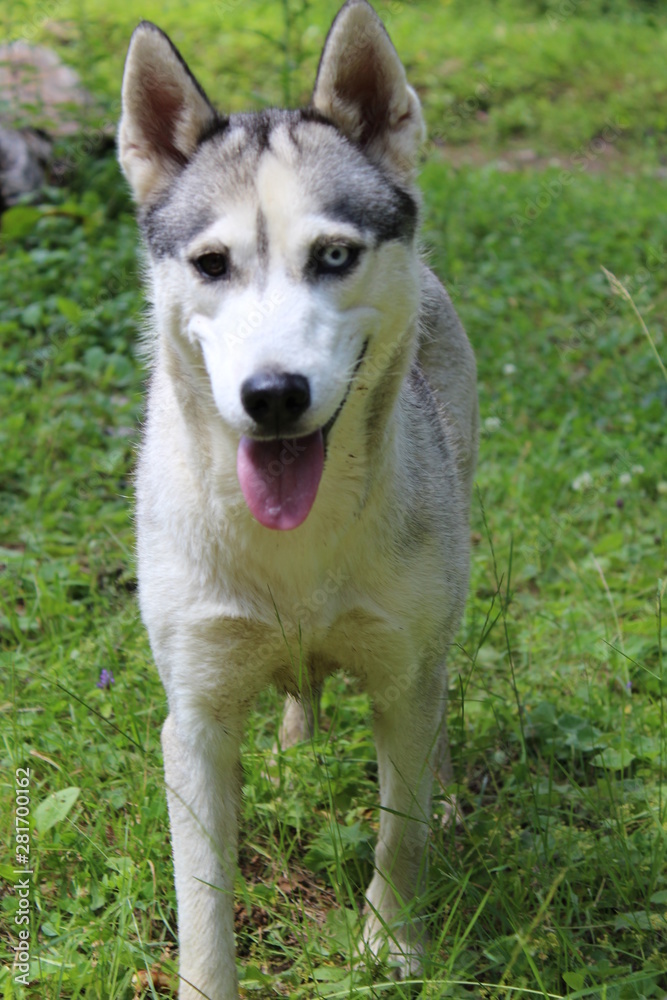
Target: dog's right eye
212, 265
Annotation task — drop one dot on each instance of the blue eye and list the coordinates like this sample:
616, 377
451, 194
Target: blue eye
334, 258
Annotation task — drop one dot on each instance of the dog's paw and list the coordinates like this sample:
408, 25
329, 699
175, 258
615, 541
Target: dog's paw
401, 949
294, 725
452, 814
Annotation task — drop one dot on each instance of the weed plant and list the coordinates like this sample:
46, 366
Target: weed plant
553, 881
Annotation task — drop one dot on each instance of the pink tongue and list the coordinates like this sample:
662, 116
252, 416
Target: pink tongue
280, 478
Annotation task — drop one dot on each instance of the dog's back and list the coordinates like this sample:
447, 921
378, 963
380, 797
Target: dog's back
449, 365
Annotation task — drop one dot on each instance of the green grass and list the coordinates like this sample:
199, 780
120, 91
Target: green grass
555, 883
547, 74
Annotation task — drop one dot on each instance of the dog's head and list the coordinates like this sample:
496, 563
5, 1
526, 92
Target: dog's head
281, 243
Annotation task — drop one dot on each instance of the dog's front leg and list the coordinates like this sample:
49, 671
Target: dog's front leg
408, 748
203, 786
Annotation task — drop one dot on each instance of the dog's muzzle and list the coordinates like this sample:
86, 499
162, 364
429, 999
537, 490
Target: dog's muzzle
279, 477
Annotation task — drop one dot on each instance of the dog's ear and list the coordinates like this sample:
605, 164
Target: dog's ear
165, 112
361, 86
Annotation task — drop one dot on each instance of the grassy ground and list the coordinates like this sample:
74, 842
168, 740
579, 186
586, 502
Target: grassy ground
555, 882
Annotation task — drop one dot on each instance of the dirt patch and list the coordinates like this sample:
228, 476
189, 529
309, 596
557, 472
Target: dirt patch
298, 893
39, 90
598, 156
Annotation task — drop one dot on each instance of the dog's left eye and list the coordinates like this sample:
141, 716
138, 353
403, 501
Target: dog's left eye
335, 258
212, 265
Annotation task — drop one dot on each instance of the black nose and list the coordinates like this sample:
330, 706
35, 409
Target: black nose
275, 400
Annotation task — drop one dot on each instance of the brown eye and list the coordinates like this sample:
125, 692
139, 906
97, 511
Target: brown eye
212, 265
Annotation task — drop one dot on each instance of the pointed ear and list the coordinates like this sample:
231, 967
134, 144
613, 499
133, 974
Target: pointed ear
165, 112
361, 85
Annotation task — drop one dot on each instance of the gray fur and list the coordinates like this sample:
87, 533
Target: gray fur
373, 580
349, 188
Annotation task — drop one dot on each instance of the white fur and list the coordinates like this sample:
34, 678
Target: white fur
386, 541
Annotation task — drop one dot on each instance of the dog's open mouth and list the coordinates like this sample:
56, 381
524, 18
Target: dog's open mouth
280, 478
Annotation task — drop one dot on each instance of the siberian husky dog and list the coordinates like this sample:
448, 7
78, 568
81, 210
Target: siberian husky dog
303, 488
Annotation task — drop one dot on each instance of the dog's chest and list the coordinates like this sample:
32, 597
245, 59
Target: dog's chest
360, 641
